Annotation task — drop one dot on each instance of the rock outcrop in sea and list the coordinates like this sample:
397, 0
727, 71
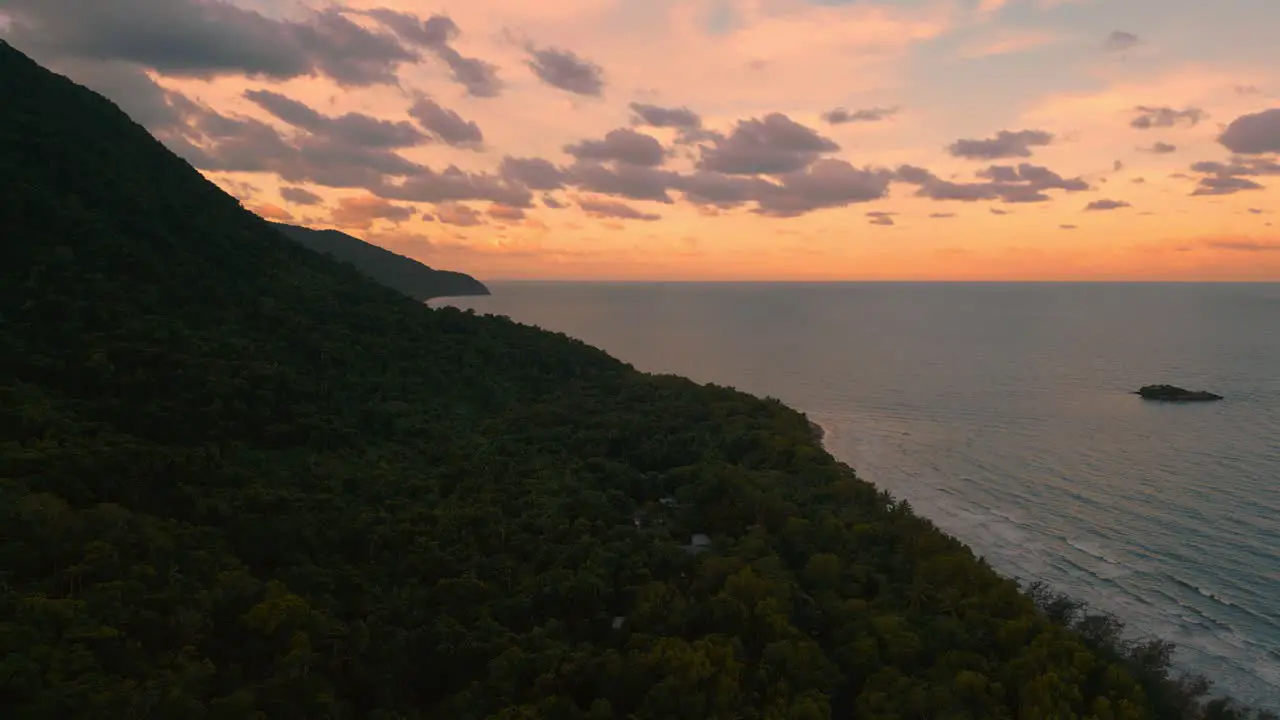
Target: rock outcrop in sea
1173, 393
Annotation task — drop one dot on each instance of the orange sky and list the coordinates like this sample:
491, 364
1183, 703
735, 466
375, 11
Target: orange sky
1085, 93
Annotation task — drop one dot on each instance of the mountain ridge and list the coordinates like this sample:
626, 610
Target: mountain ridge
413, 278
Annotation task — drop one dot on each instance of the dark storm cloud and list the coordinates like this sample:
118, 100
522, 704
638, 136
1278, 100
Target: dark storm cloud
447, 125
1253, 134
662, 117
207, 38
564, 69
435, 34
623, 145
604, 208
773, 145
1147, 117
1005, 144
840, 116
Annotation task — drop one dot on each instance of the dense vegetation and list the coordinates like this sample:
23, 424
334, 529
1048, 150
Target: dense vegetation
238, 479
404, 274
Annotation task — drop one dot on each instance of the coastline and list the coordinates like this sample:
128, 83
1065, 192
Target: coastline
817, 432
1063, 609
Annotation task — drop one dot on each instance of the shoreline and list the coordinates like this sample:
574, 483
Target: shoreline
821, 434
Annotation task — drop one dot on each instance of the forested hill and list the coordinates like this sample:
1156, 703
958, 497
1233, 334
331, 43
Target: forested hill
397, 271
239, 479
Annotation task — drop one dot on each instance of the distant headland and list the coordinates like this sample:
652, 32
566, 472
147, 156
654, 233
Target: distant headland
405, 274
1173, 393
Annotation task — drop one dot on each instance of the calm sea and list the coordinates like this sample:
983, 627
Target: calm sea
1002, 412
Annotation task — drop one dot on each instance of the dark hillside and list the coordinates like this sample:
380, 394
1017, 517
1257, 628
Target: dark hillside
239, 479
397, 271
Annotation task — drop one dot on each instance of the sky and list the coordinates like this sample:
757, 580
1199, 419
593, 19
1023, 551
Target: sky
719, 139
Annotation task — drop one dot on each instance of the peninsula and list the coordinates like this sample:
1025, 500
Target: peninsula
405, 274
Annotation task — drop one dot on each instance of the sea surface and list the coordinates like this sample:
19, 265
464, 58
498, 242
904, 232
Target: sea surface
1004, 413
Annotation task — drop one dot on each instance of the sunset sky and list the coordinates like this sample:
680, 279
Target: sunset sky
719, 139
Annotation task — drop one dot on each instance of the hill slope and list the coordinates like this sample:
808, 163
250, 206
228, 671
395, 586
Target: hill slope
239, 479
396, 271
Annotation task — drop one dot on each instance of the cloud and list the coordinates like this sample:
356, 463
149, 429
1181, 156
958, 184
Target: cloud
1120, 40
1159, 148
1232, 177
827, 183
1024, 183
299, 196
997, 211
1256, 211
337, 154
505, 213
1253, 134
603, 208
630, 181
1068, 227
361, 212
1005, 144
272, 212
351, 128
1106, 205
623, 145
1148, 117
840, 116
880, 218
550, 202
1244, 245
446, 124
664, 117
772, 145
209, 38
532, 172
1224, 186
941, 215
455, 213
721, 190
1239, 166
480, 78
565, 70
451, 184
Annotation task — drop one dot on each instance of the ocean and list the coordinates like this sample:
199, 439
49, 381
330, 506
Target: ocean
1005, 414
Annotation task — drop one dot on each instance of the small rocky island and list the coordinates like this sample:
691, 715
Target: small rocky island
1173, 393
